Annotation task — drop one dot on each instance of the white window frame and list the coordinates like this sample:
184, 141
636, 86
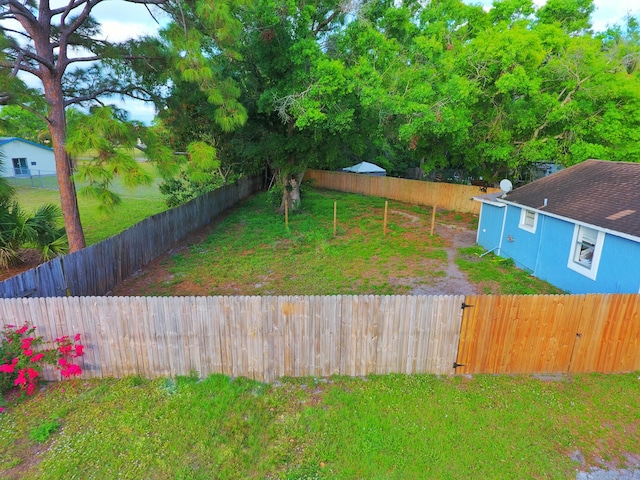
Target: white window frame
583, 236
523, 220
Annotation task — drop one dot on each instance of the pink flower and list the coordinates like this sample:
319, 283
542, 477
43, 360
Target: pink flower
26, 343
62, 362
22, 329
32, 373
65, 349
37, 357
1, 409
21, 380
31, 389
70, 369
27, 353
7, 368
77, 337
79, 351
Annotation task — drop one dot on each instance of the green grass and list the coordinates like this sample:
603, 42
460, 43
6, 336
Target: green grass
251, 251
497, 275
137, 204
393, 426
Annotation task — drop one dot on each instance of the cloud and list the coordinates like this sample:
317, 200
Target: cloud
608, 13
116, 31
124, 20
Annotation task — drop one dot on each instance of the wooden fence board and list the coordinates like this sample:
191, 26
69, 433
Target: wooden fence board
269, 337
609, 338
550, 334
260, 337
216, 331
444, 195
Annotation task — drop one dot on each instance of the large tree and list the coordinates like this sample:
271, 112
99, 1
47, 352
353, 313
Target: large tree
58, 45
297, 103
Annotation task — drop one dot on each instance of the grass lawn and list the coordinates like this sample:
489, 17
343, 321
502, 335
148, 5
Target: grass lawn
137, 204
251, 252
393, 426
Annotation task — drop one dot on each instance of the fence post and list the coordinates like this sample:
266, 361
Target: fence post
384, 228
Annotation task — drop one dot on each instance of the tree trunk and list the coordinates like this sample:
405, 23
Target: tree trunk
64, 171
290, 181
290, 192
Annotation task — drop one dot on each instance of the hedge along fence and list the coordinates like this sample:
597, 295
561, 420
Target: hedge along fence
443, 195
98, 268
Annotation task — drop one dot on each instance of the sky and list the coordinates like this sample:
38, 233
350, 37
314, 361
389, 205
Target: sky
122, 20
608, 12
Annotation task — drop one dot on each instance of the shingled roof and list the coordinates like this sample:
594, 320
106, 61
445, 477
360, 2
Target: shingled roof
600, 193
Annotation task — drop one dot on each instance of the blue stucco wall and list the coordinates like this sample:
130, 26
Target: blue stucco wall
489, 226
545, 253
519, 244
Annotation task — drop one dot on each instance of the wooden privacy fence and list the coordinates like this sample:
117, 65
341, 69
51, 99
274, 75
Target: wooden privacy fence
550, 334
443, 195
269, 337
258, 337
98, 268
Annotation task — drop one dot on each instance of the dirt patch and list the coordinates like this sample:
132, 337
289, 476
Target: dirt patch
454, 281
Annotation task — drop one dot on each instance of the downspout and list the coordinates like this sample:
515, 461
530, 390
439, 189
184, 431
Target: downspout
504, 219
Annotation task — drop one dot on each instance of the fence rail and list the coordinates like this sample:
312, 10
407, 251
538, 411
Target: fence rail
265, 338
444, 195
95, 270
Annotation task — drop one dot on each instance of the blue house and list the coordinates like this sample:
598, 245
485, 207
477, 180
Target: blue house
578, 229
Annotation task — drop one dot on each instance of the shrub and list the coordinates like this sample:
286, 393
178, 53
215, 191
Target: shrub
21, 358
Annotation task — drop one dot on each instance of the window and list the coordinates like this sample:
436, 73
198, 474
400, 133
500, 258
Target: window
20, 166
585, 251
528, 220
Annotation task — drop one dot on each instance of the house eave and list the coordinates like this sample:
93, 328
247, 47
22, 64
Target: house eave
490, 199
8, 140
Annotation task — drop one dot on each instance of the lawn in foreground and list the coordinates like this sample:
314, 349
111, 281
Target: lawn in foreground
392, 426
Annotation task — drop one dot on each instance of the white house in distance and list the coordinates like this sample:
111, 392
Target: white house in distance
22, 158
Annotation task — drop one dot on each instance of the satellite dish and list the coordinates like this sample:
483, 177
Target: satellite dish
506, 186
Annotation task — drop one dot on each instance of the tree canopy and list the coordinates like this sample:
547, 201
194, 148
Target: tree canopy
282, 85
439, 84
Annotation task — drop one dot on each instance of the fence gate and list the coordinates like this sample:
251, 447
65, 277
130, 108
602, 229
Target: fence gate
550, 334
